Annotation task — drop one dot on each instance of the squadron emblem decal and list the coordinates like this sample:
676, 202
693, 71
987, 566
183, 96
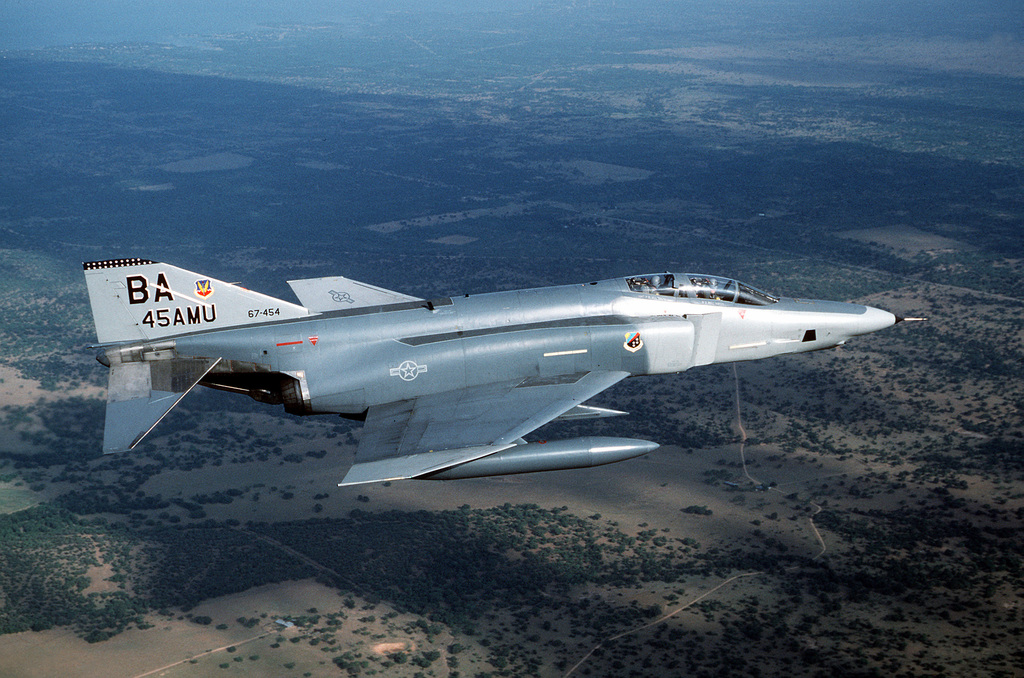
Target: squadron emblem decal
204, 288
633, 342
408, 370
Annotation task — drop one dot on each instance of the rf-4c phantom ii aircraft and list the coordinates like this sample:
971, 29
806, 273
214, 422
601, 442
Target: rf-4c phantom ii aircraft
447, 387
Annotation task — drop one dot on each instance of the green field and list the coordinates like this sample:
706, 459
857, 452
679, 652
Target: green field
14, 498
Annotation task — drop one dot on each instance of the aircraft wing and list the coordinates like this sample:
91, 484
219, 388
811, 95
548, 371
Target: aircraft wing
336, 293
413, 438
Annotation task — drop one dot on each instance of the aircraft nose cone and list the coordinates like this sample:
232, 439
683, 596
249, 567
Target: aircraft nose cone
874, 319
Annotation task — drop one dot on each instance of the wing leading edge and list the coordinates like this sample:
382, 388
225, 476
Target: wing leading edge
419, 437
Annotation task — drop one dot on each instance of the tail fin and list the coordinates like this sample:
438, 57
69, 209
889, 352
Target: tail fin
143, 300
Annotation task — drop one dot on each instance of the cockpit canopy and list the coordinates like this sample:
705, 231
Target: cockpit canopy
700, 286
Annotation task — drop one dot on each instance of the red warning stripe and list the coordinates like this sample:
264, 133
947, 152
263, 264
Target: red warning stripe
290, 343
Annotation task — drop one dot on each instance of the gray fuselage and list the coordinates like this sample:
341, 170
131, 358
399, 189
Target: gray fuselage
347, 361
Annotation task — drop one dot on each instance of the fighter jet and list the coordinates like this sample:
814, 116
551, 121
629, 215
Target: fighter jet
446, 388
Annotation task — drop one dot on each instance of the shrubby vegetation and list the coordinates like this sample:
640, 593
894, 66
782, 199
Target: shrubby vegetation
45, 555
452, 567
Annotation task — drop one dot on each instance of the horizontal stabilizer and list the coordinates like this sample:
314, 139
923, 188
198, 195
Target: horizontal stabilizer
140, 394
336, 293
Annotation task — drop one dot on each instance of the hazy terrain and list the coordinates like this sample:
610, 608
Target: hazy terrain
851, 512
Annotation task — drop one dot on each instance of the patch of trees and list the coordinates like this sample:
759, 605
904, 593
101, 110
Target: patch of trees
218, 497
73, 432
109, 500
41, 591
461, 559
465, 563
193, 563
911, 549
1000, 454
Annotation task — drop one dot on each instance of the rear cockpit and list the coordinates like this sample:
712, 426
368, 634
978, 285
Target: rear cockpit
699, 286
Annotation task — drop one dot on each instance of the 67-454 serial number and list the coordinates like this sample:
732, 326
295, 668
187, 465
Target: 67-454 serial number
264, 312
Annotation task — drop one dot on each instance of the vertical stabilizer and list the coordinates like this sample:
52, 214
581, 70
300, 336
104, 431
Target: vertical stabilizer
142, 300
